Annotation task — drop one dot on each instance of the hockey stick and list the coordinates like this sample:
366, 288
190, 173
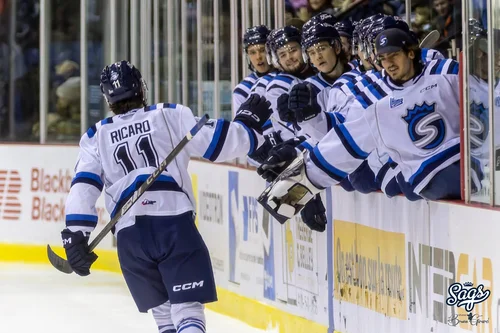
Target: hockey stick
63, 265
430, 40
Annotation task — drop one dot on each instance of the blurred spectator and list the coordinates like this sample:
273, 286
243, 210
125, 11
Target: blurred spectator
296, 22
367, 8
289, 11
320, 6
421, 21
448, 22
64, 124
65, 70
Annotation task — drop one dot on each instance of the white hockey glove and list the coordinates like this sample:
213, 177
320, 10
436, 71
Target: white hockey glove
287, 195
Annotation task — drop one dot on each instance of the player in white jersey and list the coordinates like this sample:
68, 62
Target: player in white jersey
286, 55
254, 41
163, 258
417, 125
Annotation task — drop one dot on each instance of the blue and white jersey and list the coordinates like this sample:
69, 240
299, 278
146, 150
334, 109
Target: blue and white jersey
416, 124
318, 82
354, 64
280, 84
242, 91
429, 55
119, 153
260, 85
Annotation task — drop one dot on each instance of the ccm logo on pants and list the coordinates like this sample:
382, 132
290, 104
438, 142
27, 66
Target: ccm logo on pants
187, 286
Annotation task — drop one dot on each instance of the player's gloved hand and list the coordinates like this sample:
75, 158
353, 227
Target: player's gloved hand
303, 102
271, 140
279, 159
314, 214
284, 112
77, 251
289, 193
254, 112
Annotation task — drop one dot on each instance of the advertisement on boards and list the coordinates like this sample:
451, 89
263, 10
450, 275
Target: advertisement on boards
211, 217
251, 248
34, 184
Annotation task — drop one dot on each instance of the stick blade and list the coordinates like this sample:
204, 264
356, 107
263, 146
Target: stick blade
59, 263
430, 40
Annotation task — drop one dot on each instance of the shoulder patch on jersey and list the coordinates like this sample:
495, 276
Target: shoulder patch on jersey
426, 127
107, 121
91, 131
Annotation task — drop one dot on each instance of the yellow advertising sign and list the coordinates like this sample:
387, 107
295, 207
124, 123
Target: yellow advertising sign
370, 268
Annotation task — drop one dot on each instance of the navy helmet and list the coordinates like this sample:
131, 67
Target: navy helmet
345, 28
319, 18
279, 38
121, 81
255, 35
319, 33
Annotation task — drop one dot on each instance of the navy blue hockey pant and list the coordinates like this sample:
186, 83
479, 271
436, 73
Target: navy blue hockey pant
165, 258
445, 185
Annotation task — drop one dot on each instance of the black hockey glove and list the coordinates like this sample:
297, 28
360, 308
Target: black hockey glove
284, 112
254, 112
314, 214
77, 251
279, 159
303, 102
271, 140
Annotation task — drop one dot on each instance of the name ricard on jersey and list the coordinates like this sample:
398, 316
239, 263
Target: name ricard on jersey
130, 130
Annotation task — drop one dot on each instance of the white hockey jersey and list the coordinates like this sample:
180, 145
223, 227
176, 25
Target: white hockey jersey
119, 153
242, 91
281, 84
260, 85
417, 125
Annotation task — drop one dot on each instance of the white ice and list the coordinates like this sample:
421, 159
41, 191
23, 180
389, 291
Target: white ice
37, 298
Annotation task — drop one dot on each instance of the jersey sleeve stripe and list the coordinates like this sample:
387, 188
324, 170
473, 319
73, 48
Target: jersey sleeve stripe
305, 145
284, 79
218, 141
215, 140
349, 143
83, 220
330, 120
247, 84
88, 178
107, 121
267, 125
429, 165
453, 68
91, 131
251, 135
275, 86
163, 183
326, 167
435, 67
241, 92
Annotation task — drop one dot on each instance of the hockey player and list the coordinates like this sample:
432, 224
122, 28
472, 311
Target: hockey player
345, 29
286, 55
416, 124
254, 41
159, 248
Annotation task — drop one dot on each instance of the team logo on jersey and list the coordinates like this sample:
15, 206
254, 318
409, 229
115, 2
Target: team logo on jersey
479, 124
395, 102
425, 126
497, 101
